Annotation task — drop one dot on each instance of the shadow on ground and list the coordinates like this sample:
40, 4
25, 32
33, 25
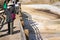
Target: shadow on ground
31, 26
2, 31
6, 34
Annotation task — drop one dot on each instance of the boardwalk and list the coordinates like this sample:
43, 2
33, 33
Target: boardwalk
16, 31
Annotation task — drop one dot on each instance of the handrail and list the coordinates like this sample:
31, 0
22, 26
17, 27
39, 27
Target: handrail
22, 32
23, 37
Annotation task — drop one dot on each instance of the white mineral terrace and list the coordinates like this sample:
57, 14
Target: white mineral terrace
45, 6
48, 25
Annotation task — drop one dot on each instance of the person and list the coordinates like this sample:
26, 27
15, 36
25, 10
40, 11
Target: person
17, 6
8, 15
12, 12
17, 1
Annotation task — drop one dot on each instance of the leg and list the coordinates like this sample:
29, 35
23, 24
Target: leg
8, 27
11, 27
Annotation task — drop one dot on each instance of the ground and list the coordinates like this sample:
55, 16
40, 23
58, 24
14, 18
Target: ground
16, 31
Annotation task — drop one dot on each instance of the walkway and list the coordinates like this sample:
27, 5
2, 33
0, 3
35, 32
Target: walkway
16, 31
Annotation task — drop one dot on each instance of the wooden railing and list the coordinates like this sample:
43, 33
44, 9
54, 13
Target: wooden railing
23, 37
22, 32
